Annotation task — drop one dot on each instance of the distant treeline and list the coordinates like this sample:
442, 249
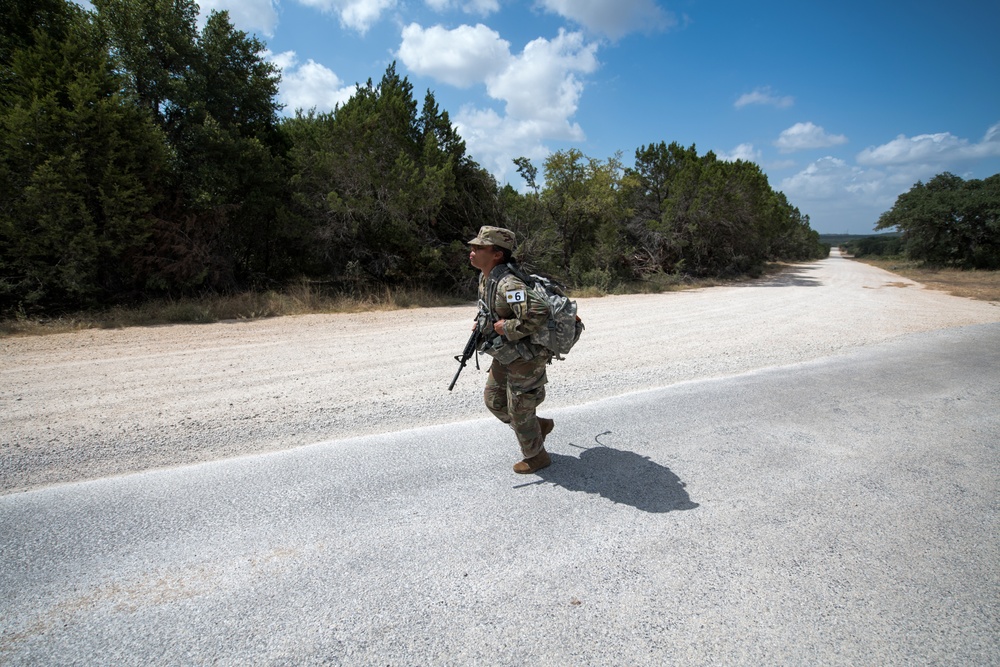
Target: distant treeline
144, 157
947, 221
874, 245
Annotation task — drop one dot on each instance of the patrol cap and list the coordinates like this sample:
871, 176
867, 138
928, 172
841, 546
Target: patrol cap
498, 236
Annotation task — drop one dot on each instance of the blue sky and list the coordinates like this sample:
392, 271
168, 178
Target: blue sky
844, 104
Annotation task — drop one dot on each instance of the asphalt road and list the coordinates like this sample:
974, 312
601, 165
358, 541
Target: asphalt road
842, 511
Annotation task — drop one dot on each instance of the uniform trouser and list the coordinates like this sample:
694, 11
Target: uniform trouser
512, 393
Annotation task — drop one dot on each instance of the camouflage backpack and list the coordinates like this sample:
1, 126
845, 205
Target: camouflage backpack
564, 326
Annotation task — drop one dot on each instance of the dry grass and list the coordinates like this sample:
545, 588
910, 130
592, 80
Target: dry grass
296, 300
654, 284
981, 285
300, 299
305, 298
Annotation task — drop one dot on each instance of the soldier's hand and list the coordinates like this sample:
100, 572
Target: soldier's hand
498, 326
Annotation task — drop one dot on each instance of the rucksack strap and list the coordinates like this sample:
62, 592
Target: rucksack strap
521, 274
492, 281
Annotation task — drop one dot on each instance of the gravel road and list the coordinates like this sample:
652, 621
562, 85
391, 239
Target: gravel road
98, 403
810, 480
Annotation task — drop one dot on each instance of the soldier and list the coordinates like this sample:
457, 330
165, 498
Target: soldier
509, 314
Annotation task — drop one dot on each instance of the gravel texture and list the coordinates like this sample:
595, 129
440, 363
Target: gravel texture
811, 480
98, 403
837, 512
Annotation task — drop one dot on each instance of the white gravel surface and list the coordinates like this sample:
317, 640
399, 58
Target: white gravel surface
96, 403
837, 512
815, 483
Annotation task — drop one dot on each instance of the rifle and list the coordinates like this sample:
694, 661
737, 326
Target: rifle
470, 349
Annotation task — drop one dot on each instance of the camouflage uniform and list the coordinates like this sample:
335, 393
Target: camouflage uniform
515, 387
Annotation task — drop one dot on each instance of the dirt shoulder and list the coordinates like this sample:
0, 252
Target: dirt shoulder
95, 403
980, 285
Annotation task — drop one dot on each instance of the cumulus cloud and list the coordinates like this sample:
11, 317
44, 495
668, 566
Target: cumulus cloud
248, 15
802, 136
855, 195
850, 195
745, 152
614, 18
357, 15
309, 86
932, 149
542, 85
825, 178
461, 57
496, 140
838, 195
540, 88
480, 7
766, 97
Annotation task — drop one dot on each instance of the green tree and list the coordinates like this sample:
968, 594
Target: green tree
721, 224
388, 193
528, 172
469, 195
526, 215
79, 172
583, 205
213, 94
949, 221
656, 194
358, 182
787, 232
20, 23
703, 216
153, 44
230, 153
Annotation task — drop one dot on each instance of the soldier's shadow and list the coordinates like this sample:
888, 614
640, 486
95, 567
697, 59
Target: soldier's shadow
620, 476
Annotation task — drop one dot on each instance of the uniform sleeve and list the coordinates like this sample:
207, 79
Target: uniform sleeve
523, 311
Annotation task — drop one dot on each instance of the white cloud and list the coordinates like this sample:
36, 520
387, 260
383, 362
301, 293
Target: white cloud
285, 60
745, 152
358, 15
838, 196
461, 57
539, 88
614, 18
309, 86
850, 196
847, 196
932, 149
480, 7
496, 140
248, 15
825, 178
765, 96
541, 84
802, 136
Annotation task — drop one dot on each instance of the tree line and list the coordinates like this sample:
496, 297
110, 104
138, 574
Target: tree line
142, 156
947, 221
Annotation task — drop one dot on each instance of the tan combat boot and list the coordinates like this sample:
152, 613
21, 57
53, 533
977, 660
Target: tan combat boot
546, 426
541, 459
536, 462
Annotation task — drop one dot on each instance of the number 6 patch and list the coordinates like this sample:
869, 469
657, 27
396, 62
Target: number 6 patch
516, 296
